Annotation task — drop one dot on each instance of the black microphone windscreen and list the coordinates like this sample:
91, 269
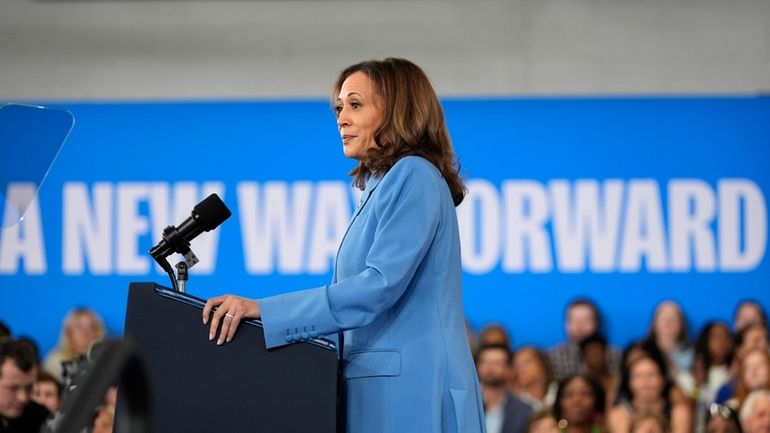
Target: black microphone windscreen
211, 212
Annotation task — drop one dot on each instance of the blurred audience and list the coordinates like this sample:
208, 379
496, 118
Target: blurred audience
81, 327
47, 391
594, 350
661, 384
649, 423
494, 334
103, 420
581, 319
579, 405
648, 389
722, 419
755, 413
504, 412
668, 331
754, 375
18, 372
748, 313
533, 378
542, 421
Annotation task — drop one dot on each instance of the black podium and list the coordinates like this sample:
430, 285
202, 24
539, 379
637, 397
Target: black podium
240, 386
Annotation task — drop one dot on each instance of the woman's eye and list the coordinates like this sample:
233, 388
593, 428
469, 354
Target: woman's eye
355, 105
338, 109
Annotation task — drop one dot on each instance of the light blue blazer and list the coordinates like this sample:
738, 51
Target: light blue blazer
397, 295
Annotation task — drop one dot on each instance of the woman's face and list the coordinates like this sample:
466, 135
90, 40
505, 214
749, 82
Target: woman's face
748, 314
359, 114
83, 332
719, 424
578, 401
755, 339
668, 323
527, 367
755, 370
719, 344
646, 380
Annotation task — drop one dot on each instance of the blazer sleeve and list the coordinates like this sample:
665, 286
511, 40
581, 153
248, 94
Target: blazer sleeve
407, 208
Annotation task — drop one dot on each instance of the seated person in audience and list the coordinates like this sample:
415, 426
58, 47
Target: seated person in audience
103, 421
47, 391
18, 371
755, 413
579, 405
748, 313
752, 337
494, 334
594, 350
581, 319
649, 423
81, 327
754, 375
503, 412
646, 388
668, 331
533, 379
712, 367
722, 419
542, 421
633, 352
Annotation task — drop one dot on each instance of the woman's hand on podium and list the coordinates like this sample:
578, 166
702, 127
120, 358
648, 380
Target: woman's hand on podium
230, 310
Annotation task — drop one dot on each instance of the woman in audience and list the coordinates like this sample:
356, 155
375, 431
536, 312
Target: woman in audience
594, 350
713, 355
81, 327
668, 331
748, 313
752, 337
579, 405
754, 374
648, 390
533, 378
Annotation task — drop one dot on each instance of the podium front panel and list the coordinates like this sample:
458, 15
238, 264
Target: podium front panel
198, 386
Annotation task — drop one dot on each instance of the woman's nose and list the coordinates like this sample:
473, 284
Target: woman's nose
343, 119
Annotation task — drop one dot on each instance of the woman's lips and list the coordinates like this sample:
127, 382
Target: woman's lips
347, 137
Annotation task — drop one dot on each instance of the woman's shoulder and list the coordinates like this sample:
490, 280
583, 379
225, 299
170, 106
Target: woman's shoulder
413, 163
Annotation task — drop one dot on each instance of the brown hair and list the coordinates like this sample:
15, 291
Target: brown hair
644, 416
413, 122
741, 390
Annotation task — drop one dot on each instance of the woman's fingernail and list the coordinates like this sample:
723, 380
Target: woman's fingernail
219, 342
204, 320
211, 336
228, 339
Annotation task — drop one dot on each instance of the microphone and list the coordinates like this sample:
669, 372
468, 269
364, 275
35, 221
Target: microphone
206, 216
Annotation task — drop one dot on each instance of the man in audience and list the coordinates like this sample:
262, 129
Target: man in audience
18, 372
582, 319
755, 412
503, 412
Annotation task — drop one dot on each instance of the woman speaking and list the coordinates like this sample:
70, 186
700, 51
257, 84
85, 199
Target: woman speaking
396, 296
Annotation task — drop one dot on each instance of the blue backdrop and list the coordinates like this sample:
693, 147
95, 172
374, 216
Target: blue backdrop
626, 200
